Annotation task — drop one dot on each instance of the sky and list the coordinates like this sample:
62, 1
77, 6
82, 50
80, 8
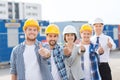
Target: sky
79, 10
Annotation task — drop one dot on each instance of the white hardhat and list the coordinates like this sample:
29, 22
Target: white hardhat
69, 29
98, 20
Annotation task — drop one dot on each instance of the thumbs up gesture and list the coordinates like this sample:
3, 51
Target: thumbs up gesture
44, 52
100, 49
109, 43
67, 51
82, 48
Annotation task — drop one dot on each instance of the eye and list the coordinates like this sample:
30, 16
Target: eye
55, 35
35, 30
29, 29
72, 34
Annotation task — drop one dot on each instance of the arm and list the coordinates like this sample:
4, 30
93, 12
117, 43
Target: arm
74, 54
81, 50
111, 43
44, 52
13, 77
13, 65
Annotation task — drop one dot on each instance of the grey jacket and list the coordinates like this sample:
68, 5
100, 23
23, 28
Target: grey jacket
17, 63
73, 65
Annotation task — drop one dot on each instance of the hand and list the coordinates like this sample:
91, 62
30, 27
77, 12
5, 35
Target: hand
67, 51
109, 43
82, 48
100, 50
44, 52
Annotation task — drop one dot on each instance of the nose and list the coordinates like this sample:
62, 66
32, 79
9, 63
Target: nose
32, 31
52, 38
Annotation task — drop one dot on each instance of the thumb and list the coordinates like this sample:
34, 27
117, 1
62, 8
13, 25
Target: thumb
108, 40
40, 45
65, 45
81, 44
99, 45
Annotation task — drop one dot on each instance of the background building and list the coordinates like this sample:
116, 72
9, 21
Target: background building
15, 10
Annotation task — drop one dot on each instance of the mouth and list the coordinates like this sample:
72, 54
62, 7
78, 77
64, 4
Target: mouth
31, 34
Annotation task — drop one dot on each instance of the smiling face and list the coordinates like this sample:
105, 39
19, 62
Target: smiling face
98, 28
70, 37
85, 35
52, 39
31, 33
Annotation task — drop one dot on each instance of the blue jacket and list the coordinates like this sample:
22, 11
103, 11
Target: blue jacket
17, 63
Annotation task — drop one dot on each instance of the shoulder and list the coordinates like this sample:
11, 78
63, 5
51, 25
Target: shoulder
18, 48
76, 46
106, 36
59, 46
92, 37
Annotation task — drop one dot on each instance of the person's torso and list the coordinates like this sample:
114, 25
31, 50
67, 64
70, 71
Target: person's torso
32, 68
103, 40
73, 64
87, 63
54, 69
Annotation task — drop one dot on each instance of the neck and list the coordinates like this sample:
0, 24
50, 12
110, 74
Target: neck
51, 47
70, 44
98, 34
85, 42
29, 42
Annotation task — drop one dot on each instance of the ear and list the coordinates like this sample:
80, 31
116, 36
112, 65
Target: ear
24, 31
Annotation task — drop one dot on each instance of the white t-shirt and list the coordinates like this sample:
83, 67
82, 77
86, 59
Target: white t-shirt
32, 68
54, 71
87, 64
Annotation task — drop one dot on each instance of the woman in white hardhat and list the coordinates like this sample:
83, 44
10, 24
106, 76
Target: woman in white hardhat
72, 53
70, 29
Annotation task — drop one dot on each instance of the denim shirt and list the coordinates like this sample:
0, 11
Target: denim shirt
17, 66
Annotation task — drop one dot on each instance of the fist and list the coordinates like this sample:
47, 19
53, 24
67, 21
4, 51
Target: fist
109, 44
44, 52
66, 50
100, 50
82, 48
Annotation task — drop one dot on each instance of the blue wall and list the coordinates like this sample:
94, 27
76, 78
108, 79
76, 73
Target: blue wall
112, 31
5, 51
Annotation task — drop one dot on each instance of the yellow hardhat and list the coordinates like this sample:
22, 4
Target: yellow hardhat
52, 28
86, 27
31, 23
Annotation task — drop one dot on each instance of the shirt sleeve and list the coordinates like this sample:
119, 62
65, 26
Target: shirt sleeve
113, 43
13, 62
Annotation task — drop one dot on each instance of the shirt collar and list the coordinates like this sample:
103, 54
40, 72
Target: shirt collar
36, 43
99, 35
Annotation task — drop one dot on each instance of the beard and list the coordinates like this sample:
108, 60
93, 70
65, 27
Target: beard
52, 42
29, 39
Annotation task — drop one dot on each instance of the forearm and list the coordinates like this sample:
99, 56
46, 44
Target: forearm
13, 77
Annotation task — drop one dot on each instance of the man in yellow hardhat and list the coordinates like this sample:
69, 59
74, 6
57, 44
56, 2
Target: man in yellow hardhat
55, 62
26, 63
89, 60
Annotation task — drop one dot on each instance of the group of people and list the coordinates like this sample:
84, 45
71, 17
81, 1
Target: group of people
34, 60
